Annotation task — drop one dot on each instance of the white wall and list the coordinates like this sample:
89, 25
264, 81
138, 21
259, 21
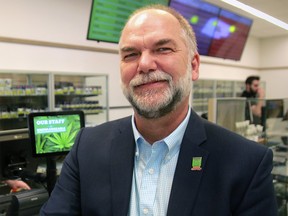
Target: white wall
274, 66
49, 35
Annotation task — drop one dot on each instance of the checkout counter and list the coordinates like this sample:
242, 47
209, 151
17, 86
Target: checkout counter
23, 203
16, 162
37, 158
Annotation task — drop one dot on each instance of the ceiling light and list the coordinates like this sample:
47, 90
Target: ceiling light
257, 13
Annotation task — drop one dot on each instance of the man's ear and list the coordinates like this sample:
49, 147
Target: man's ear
195, 66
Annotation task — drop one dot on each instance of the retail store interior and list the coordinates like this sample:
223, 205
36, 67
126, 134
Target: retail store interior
48, 63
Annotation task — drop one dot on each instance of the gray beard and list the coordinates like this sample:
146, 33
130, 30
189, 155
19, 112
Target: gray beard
162, 111
179, 91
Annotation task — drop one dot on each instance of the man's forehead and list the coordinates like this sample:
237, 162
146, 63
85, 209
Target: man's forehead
148, 21
142, 16
151, 11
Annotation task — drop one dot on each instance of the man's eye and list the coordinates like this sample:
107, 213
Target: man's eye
130, 56
164, 50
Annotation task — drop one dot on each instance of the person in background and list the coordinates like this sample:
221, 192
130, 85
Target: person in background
164, 159
255, 95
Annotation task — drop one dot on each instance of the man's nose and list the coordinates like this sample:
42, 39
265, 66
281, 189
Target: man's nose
147, 62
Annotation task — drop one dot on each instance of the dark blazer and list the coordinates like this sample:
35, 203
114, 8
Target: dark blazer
235, 178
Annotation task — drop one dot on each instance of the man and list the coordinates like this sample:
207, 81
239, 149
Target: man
255, 95
164, 160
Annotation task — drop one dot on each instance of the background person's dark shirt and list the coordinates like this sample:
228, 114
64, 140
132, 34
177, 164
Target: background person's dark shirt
249, 103
248, 94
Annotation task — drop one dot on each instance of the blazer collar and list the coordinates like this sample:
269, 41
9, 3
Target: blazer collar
186, 181
122, 164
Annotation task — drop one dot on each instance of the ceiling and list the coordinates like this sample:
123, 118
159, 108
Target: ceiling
260, 27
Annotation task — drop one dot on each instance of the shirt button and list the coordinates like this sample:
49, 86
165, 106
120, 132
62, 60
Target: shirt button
145, 211
151, 171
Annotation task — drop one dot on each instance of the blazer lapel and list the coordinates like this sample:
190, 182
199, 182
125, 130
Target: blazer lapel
122, 164
186, 181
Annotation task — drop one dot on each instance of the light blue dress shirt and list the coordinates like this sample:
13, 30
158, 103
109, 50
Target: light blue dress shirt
154, 171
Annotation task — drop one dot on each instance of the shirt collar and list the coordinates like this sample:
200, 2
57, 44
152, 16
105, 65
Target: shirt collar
173, 140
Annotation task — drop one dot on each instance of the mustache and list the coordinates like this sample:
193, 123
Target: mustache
154, 76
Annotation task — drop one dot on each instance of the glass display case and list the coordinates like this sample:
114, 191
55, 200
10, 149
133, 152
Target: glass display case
22, 93
82, 92
224, 88
201, 92
239, 88
237, 114
204, 89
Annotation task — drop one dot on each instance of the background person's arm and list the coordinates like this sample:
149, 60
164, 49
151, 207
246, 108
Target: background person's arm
257, 108
17, 185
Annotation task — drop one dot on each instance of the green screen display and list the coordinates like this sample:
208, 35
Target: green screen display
55, 133
107, 18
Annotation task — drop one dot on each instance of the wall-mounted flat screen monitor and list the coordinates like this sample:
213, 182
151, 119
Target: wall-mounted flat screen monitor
54, 133
107, 18
220, 33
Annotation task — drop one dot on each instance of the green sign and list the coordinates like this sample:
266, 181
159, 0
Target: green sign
108, 17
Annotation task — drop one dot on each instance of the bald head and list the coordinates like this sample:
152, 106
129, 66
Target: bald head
160, 12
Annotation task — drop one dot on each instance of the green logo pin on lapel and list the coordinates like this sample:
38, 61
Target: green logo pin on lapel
196, 163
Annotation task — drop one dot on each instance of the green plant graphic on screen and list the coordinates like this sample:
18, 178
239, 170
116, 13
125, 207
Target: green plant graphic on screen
56, 133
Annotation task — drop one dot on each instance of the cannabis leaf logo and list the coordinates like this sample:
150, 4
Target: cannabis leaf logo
58, 141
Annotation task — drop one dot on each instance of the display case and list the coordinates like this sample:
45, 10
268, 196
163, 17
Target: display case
237, 114
239, 87
22, 93
203, 89
201, 92
82, 92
